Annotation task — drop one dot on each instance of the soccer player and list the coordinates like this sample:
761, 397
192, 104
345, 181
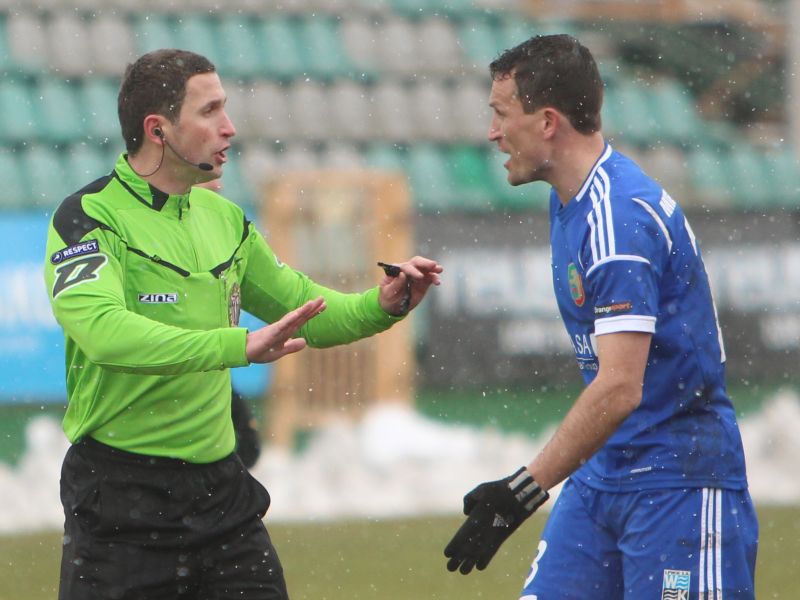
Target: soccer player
147, 275
655, 503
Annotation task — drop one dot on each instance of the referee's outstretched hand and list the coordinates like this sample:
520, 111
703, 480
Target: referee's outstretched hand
275, 340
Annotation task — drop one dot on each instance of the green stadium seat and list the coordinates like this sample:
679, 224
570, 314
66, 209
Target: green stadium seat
323, 48
240, 55
99, 100
480, 41
16, 193
709, 176
18, 118
154, 31
196, 33
513, 30
49, 181
387, 157
749, 175
58, 110
429, 174
278, 39
86, 162
234, 185
469, 172
676, 111
784, 177
636, 121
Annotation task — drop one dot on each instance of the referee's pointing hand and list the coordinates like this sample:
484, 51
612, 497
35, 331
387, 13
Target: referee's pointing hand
275, 340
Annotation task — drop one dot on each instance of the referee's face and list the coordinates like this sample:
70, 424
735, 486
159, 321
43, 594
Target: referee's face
519, 134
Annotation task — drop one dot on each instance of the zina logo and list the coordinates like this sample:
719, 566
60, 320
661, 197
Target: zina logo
676, 585
159, 298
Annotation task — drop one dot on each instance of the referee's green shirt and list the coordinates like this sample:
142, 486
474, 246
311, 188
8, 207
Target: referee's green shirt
147, 287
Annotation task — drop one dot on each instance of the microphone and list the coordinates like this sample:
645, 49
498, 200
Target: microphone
203, 166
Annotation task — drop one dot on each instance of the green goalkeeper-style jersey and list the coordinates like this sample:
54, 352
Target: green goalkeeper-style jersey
147, 287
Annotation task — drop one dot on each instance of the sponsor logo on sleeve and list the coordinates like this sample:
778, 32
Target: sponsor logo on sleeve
616, 307
80, 249
676, 585
168, 298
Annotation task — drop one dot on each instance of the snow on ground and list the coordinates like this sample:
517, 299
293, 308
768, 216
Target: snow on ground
394, 462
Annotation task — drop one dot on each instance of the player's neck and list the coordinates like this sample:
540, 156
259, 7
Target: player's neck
573, 162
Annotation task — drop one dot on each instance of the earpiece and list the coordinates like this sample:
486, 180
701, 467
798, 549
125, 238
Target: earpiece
157, 132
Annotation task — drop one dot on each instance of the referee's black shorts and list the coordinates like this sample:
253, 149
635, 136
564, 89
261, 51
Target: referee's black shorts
139, 527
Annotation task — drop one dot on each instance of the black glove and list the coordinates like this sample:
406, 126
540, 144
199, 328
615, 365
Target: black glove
494, 511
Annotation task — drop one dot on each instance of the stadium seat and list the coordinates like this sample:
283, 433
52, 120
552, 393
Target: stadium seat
297, 157
470, 110
99, 100
58, 111
153, 31
429, 173
783, 177
351, 111
27, 42
240, 55
432, 111
234, 186
398, 47
513, 30
18, 118
481, 42
16, 192
258, 164
6, 60
469, 172
86, 162
386, 157
439, 51
309, 102
708, 170
280, 53
359, 39
637, 122
676, 112
341, 157
111, 43
269, 112
750, 177
236, 107
68, 52
325, 57
196, 33
393, 114
49, 181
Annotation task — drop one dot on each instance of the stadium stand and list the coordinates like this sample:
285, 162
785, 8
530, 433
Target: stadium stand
398, 84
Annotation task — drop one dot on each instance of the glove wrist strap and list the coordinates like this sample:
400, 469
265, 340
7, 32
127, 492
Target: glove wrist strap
527, 492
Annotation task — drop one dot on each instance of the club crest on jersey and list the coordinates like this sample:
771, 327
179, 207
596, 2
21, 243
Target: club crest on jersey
234, 305
575, 285
676, 585
87, 247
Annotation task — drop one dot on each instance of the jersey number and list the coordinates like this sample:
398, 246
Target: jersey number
78, 271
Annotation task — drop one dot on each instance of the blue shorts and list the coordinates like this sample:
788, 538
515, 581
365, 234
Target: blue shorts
667, 544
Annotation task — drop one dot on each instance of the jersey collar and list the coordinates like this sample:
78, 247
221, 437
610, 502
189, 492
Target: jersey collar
145, 193
590, 177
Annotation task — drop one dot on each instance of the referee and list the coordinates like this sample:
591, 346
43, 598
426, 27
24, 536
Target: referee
147, 276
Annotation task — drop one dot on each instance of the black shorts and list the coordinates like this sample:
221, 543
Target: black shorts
140, 527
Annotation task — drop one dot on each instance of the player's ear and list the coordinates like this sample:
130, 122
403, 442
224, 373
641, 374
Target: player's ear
551, 121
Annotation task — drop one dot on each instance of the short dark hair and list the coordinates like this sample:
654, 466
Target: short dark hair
155, 84
557, 71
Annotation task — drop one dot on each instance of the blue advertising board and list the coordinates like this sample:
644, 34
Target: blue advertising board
31, 342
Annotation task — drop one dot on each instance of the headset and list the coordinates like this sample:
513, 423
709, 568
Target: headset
159, 133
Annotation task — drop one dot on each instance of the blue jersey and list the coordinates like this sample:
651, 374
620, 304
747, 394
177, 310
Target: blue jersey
625, 259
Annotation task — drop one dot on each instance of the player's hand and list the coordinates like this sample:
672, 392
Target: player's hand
275, 340
402, 292
494, 511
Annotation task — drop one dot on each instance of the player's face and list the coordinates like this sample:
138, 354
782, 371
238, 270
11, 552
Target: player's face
203, 130
517, 134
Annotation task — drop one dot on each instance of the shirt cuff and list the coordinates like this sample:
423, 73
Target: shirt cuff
621, 323
233, 343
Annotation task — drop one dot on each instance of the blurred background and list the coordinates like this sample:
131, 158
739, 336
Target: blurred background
702, 94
